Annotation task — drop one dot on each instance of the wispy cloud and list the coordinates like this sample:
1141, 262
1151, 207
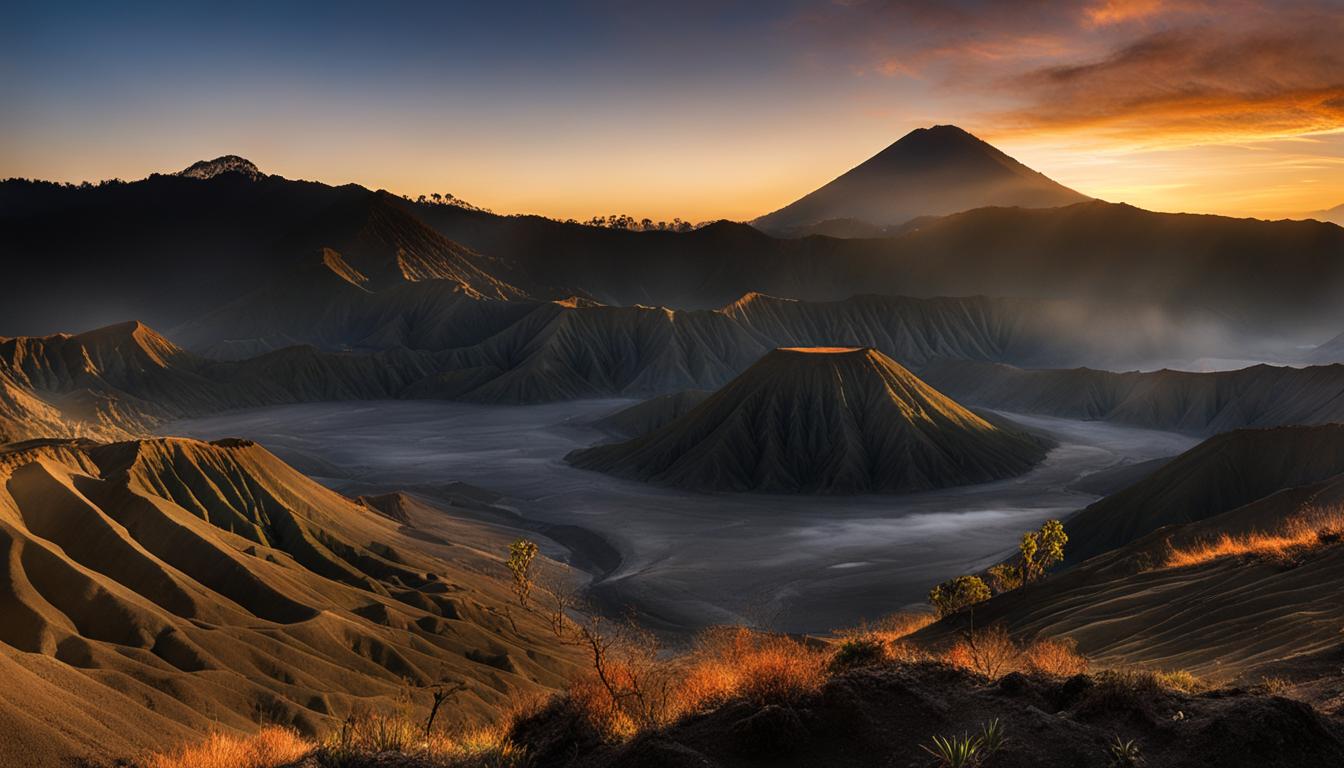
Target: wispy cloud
1196, 84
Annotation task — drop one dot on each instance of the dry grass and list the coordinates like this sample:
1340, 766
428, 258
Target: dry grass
1057, 658
990, 652
1307, 531
724, 665
993, 653
371, 733
267, 748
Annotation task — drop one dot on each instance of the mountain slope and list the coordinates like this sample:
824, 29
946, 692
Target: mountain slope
928, 172
829, 420
1169, 270
169, 248
1200, 403
1333, 215
652, 414
1220, 474
180, 587
1230, 618
87, 257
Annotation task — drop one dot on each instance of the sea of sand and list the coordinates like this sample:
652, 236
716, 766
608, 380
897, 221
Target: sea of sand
684, 560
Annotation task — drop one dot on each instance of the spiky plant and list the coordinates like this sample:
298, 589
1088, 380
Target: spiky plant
962, 751
992, 737
1125, 753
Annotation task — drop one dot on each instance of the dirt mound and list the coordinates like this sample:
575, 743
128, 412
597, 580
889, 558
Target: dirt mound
883, 715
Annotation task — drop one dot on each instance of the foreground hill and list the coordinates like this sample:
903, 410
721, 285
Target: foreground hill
1199, 403
827, 420
928, 172
886, 712
161, 589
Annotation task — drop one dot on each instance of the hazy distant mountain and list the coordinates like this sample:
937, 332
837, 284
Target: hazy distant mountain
821, 420
1333, 215
1196, 403
171, 249
1167, 267
928, 172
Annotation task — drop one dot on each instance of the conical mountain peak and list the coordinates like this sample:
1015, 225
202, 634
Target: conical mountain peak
928, 172
821, 420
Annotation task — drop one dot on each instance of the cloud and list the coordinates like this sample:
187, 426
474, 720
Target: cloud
1137, 72
1196, 84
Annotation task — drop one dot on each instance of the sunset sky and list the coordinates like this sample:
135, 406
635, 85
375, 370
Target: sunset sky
692, 109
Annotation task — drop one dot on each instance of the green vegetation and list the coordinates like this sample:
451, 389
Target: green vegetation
967, 751
859, 651
521, 554
959, 593
1125, 753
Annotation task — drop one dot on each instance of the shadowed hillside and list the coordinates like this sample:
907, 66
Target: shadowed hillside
1222, 473
90, 256
1199, 403
828, 420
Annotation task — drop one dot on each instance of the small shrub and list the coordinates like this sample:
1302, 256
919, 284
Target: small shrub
1057, 658
1181, 681
957, 594
1274, 686
990, 652
267, 748
859, 651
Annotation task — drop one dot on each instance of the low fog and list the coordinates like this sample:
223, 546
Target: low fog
791, 563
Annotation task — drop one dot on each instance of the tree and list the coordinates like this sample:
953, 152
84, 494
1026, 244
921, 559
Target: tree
521, 554
1005, 577
954, 595
1041, 550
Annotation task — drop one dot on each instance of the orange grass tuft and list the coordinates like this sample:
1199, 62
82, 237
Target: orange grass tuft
725, 664
269, 747
1304, 532
1057, 658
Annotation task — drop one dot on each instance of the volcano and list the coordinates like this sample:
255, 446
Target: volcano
928, 172
821, 420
